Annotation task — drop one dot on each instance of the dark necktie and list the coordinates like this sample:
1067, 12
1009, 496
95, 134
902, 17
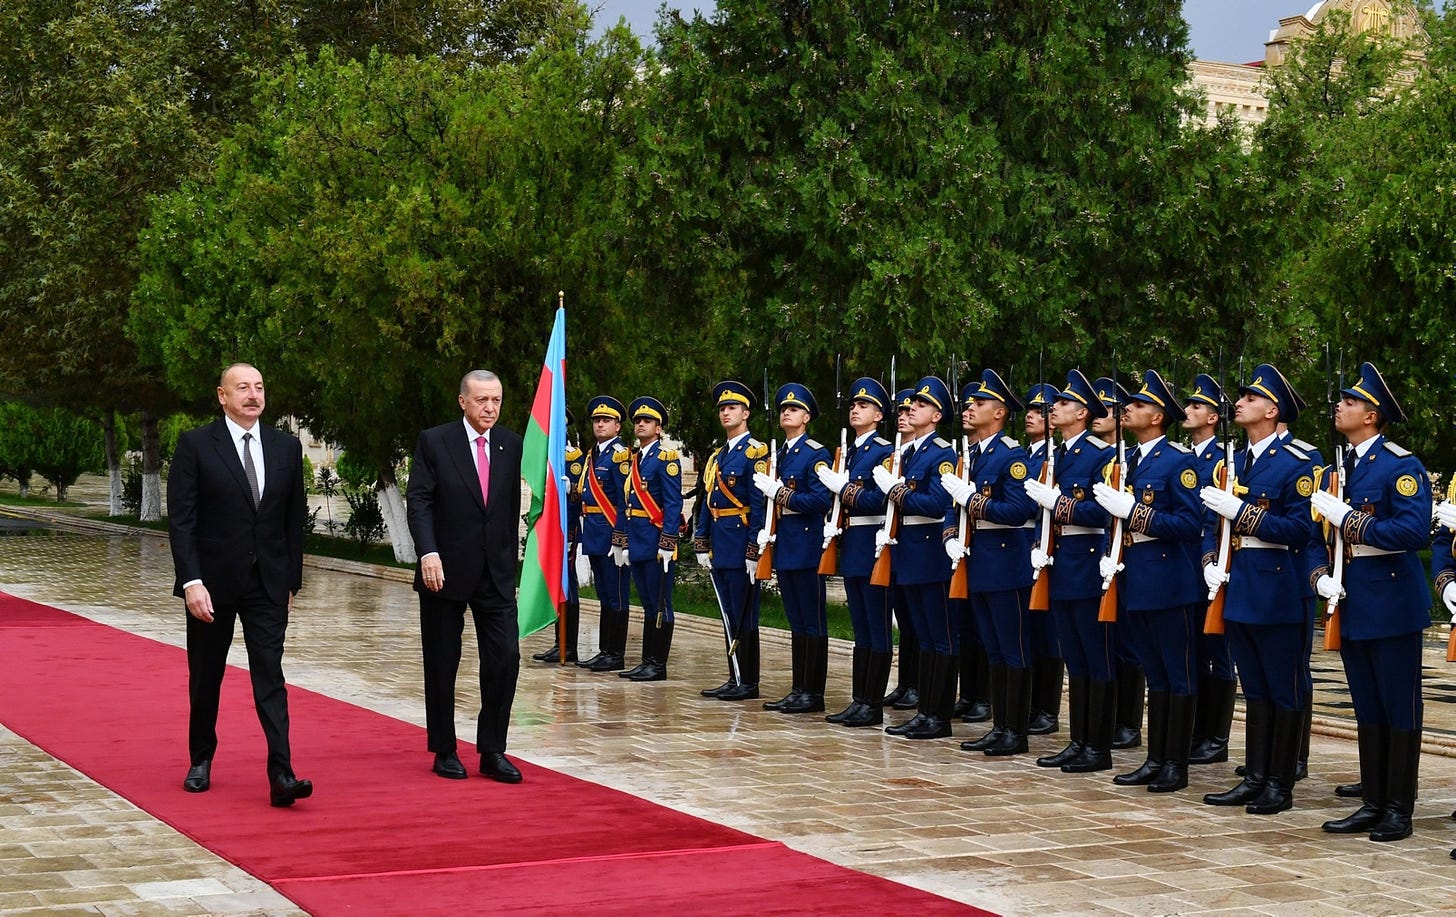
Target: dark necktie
906, 455
1061, 452
250, 470
1248, 461
1132, 462
1350, 460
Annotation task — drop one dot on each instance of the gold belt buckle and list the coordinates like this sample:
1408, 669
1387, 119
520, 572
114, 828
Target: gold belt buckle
1127, 539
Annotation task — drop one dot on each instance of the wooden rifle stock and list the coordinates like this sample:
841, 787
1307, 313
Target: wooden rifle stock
1107, 608
1337, 565
1213, 620
829, 560
880, 575
960, 577
1041, 587
770, 523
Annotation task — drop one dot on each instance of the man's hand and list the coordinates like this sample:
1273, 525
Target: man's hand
766, 485
1328, 588
1039, 560
619, 556
1448, 596
959, 490
1221, 502
1117, 502
886, 481
1213, 577
836, 481
1331, 507
765, 537
665, 556
1045, 495
882, 540
199, 602
432, 572
1445, 514
955, 550
831, 531
702, 558
752, 567
1108, 568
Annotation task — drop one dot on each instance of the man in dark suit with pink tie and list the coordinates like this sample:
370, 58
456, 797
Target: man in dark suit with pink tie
464, 510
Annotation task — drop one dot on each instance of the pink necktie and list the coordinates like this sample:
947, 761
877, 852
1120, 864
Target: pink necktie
482, 468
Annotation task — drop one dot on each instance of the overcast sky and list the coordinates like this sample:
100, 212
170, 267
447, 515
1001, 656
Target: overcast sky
1223, 30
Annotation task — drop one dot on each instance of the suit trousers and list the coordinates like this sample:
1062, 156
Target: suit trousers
1384, 675
264, 625
869, 613
1272, 659
1087, 644
497, 638
1166, 644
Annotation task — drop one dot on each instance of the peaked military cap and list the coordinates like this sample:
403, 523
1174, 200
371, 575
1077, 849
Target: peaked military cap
870, 390
1082, 392
606, 406
797, 395
1372, 388
647, 406
903, 398
1110, 393
993, 387
1041, 395
570, 418
1270, 383
731, 392
1205, 391
1157, 393
934, 392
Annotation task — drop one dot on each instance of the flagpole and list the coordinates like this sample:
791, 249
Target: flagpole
565, 592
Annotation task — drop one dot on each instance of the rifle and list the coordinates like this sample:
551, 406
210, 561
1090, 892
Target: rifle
771, 514
1107, 609
1041, 587
880, 575
1450, 641
829, 560
1226, 481
1336, 487
960, 574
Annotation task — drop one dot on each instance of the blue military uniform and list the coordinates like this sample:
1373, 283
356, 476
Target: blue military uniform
1131, 684
649, 529
906, 695
1075, 590
600, 481
801, 501
1385, 609
862, 515
1048, 668
727, 529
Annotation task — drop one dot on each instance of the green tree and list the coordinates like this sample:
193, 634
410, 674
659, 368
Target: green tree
19, 443
68, 446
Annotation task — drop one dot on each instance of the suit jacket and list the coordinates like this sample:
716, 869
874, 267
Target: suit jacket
862, 499
476, 541
917, 556
803, 501
1074, 574
733, 511
1165, 572
216, 534
660, 470
601, 482
1001, 512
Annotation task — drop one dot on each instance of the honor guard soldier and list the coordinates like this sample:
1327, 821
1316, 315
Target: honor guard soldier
1048, 668
922, 570
864, 515
906, 695
1162, 594
646, 534
800, 500
1217, 684
728, 524
602, 484
1131, 685
1383, 522
1443, 563
999, 554
1267, 505
1076, 586
1307, 557
571, 613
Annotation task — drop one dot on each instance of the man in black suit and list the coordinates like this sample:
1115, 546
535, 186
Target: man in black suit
464, 507
235, 507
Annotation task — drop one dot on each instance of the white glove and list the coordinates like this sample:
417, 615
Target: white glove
954, 549
702, 558
1332, 508
1107, 569
1039, 560
1446, 514
766, 485
1045, 495
1448, 595
765, 537
665, 556
831, 531
1222, 502
752, 567
882, 540
886, 481
619, 556
834, 480
1213, 577
959, 490
1117, 502
1328, 588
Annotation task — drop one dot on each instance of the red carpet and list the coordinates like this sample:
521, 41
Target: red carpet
381, 833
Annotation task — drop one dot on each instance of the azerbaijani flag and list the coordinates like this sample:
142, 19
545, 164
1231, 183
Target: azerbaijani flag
543, 465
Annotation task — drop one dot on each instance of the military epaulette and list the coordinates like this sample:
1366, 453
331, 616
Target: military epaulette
1297, 453
755, 449
881, 441
1096, 443
812, 444
1395, 450
667, 455
941, 443
1010, 441
622, 454
1180, 447
572, 453
1304, 446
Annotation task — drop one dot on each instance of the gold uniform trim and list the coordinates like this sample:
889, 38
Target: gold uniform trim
1018, 471
946, 467
1406, 485
1189, 478
672, 469
1304, 486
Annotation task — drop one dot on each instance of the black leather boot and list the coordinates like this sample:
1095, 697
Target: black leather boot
1046, 696
1402, 768
998, 712
796, 654
1019, 687
877, 674
1149, 770
656, 670
1258, 736
1215, 719
1278, 792
910, 667
1077, 699
611, 660
748, 658
1127, 732
648, 621
1174, 775
1373, 742
813, 678
937, 698
857, 682
1101, 712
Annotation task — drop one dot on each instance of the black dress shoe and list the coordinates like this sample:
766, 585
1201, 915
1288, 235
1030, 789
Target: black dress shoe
889, 700
1356, 791
739, 692
1209, 751
1172, 778
448, 766
1072, 752
199, 778
715, 692
991, 737
1357, 822
934, 727
804, 703
652, 672
1042, 724
1090, 761
1394, 824
552, 655
865, 715
1127, 737
284, 790
608, 663
838, 718
979, 712
910, 700
1244, 793
777, 706
588, 663
1009, 743
634, 670
1145, 774
910, 725
497, 767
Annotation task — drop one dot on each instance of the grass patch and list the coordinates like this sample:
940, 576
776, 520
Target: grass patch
10, 499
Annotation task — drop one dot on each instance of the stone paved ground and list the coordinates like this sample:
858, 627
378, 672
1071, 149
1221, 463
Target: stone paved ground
1002, 834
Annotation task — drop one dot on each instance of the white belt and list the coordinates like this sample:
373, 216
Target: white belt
1081, 530
1241, 542
785, 511
983, 524
1365, 550
921, 520
1139, 537
866, 520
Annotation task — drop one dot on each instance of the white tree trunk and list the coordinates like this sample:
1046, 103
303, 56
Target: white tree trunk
391, 506
151, 497
151, 510
113, 466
